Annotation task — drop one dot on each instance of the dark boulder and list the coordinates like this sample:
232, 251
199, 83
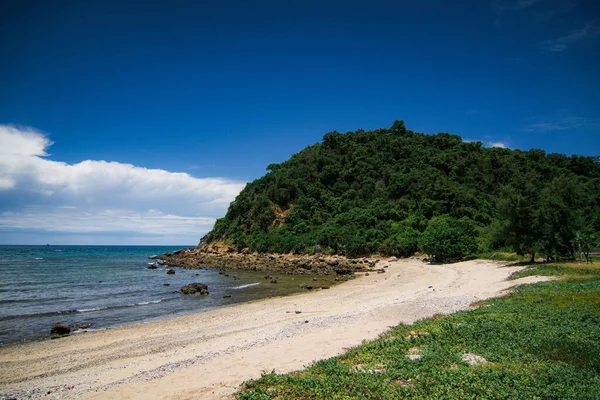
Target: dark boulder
195, 288
60, 329
343, 271
170, 271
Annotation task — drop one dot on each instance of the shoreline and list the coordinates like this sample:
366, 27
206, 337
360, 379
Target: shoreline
208, 354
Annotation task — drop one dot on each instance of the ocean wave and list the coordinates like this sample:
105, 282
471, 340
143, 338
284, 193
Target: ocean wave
142, 303
12, 301
80, 310
245, 286
38, 258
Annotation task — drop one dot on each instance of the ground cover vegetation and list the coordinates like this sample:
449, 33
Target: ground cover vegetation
396, 192
541, 341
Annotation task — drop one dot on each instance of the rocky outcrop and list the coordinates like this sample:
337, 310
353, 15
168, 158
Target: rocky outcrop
195, 288
226, 257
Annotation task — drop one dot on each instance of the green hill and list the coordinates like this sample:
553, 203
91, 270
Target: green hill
396, 192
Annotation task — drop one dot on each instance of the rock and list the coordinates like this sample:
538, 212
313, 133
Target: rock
194, 288
60, 329
246, 251
318, 249
315, 278
367, 274
343, 271
298, 311
473, 359
170, 271
273, 280
152, 266
166, 284
333, 262
324, 287
227, 296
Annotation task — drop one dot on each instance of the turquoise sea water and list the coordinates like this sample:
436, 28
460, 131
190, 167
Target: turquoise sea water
105, 286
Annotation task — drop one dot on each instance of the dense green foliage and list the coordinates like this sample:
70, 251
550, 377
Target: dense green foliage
396, 192
540, 342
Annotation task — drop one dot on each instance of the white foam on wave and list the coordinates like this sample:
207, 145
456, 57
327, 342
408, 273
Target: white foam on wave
245, 286
82, 310
38, 258
143, 303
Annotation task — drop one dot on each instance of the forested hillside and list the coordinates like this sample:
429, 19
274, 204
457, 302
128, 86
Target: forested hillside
396, 192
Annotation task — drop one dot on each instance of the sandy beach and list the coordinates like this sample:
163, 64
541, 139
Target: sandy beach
208, 355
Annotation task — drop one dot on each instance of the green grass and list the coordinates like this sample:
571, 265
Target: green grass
503, 256
542, 341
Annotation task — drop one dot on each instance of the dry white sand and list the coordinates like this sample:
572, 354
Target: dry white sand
207, 355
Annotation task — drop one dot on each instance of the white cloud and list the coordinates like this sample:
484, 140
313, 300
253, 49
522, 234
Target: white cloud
501, 6
101, 196
561, 123
497, 144
587, 32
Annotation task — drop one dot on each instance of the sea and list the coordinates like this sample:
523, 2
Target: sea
99, 287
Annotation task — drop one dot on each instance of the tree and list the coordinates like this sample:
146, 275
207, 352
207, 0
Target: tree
448, 239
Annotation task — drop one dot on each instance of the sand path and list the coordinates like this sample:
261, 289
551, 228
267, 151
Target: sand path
207, 355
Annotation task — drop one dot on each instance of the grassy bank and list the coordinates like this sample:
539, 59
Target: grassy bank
541, 341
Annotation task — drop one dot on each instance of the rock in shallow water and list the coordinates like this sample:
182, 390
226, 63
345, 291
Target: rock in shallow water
193, 288
60, 329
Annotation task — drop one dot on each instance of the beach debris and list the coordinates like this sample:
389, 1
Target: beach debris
194, 288
60, 329
170, 271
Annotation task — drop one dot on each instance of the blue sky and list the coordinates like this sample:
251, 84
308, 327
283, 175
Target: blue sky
130, 124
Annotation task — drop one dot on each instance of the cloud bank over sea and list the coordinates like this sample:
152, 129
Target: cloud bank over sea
100, 202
